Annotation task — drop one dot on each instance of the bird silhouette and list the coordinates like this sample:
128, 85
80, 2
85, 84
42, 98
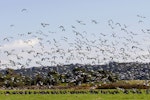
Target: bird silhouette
44, 24
23, 10
94, 21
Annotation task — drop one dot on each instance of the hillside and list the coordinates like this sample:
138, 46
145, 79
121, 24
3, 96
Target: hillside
124, 71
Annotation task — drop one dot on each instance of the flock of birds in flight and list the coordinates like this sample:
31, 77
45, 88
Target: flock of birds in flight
76, 45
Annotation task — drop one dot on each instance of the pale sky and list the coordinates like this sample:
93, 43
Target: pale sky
64, 12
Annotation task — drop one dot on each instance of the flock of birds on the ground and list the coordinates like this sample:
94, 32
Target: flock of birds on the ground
82, 43
122, 91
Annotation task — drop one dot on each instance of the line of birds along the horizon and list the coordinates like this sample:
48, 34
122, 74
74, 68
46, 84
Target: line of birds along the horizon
79, 46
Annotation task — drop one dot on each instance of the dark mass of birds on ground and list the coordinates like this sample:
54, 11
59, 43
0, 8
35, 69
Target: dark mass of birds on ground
72, 92
75, 44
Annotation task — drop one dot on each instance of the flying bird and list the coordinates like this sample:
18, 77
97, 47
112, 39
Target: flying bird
80, 22
94, 21
44, 24
141, 16
12, 25
23, 10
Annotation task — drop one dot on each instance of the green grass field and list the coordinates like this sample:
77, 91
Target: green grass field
68, 96
77, 97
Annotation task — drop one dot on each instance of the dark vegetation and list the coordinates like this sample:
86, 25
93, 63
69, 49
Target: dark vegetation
76, 76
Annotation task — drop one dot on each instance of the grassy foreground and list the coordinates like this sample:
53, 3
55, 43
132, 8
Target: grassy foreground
77, 97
